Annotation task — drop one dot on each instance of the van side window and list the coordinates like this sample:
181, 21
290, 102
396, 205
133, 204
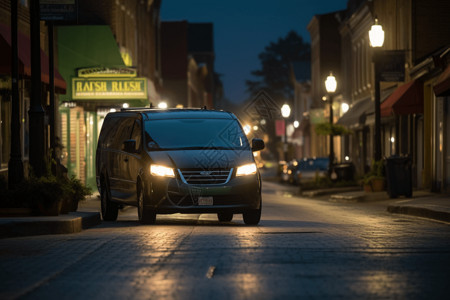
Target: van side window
122, 132
109, 129
136, 134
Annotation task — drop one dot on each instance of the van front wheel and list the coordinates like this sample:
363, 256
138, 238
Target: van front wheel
109, 209
253, 216
146, 215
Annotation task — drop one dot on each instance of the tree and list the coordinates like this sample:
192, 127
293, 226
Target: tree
275, 66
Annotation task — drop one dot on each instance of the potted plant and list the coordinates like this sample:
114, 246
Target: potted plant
73, 192
44, 195
78, 192
374, 181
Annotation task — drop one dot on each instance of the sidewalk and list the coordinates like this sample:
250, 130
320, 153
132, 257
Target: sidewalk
422, 204
87, 216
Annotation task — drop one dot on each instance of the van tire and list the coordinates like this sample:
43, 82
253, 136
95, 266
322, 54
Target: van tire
109, 209
253, 216
146, 215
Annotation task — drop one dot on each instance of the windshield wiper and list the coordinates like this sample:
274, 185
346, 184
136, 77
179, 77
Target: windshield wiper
196, 148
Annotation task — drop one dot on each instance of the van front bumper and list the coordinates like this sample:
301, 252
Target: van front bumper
171, 195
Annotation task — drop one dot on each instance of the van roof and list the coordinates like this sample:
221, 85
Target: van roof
178, 113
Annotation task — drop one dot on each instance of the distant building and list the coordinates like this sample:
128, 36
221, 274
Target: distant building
187, 63
301, 80
325, 58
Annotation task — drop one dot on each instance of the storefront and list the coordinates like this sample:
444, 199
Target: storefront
98, 82
24, 63
442, 92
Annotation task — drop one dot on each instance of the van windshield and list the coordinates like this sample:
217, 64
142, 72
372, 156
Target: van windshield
180, 134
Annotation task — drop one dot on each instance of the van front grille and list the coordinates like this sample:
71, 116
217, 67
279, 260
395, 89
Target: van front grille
205, 176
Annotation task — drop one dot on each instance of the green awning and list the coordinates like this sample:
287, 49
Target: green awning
85, 47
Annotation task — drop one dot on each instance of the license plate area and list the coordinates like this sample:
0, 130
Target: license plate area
205, 201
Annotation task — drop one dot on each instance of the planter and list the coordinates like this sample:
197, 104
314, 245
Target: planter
74, 206
69, 205
15, 212
66, 205
50, 210
367, 188
375, 185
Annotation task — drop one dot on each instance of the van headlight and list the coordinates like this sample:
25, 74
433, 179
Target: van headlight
246, 170
158, 170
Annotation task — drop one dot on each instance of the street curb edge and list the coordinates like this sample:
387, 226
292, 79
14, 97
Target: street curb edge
420, 212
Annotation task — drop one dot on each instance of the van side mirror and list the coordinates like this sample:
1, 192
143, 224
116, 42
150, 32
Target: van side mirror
257, 144
129, 146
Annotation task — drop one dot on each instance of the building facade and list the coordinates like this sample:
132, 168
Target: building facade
111, 60
24, 83
413, 60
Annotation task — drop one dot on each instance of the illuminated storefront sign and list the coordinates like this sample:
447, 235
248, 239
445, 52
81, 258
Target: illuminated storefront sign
109, 88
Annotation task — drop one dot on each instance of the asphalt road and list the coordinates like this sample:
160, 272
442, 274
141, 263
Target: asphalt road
303, 248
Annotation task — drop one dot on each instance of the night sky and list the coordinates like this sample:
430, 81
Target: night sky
242, 28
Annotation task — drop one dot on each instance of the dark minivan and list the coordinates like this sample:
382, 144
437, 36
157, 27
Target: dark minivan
177, 161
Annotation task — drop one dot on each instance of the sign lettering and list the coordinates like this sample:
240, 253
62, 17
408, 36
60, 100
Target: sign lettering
108, 88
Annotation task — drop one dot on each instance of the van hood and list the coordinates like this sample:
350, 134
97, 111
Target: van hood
202, 159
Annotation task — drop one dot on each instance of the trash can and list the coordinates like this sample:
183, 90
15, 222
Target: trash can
344, 171
399, 176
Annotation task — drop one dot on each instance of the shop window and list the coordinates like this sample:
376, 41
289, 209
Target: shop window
24, 126
5, 130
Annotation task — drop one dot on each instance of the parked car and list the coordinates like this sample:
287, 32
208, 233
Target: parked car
288, 171
308, 169
177, 161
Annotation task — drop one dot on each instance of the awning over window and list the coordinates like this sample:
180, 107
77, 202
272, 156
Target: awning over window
24, 52
406, 99
356, 115
85, 47
442, 87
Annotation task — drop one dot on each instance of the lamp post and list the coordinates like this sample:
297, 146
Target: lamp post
331, 85
376, 37
15, 164
285, 112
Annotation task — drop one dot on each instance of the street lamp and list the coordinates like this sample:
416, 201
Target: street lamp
376, 37
285, 112
344, 107
331, 85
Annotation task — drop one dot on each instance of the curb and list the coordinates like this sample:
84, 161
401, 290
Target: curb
420, 212
321, 192
29, 226
342, 198
356, 197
